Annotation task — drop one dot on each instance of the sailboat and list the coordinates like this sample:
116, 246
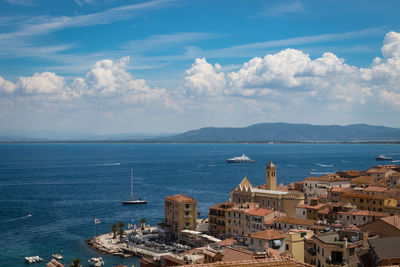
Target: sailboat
134, 200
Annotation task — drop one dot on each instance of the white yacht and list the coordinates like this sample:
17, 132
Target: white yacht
134, 200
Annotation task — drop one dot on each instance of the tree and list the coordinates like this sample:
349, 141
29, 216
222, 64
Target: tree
142, 223
121, 225
114, 229
76, 262
121, 233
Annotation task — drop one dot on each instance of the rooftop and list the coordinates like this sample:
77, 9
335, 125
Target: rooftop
283, 262
360, 195
364, 213
267, 235
386, 248
258, 212
363, 180
375, 189
271, 192
229, 205
236, 254
326, 178
291, 220
180, 198
392, 220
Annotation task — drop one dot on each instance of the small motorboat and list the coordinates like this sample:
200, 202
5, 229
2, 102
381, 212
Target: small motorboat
33, 259
97, 262
57, 256
382, 157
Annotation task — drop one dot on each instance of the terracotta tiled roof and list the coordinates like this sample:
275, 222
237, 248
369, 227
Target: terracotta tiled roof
326, 178
364, 213
297, 221
227, 242
359, 195
324, 211
315, 207
341, 189
272, 262
258, 212
375, 189
267, 235
349, 173
180, 198
363, 180
224, 206
393, 220
236, 254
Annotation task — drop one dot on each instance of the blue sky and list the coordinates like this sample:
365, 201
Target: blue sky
169, 66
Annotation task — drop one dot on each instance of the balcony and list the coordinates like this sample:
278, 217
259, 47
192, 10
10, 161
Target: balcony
188, 216
187, 209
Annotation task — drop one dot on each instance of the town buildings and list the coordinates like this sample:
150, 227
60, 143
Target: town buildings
348, 218
180, 212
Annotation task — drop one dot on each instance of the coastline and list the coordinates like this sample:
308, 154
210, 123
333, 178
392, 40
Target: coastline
106, 244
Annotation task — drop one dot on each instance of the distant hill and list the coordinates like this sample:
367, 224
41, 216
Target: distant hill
287, 132
263, 132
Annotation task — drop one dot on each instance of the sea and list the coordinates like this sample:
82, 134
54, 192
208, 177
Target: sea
50, 194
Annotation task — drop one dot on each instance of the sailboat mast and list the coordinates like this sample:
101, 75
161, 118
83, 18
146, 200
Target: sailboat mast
131, 183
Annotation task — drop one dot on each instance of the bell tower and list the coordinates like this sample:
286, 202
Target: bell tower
270, 179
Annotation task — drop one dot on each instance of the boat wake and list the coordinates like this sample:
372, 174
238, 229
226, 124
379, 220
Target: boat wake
108, 164
324, 165
320, 172
17, 219
397, 160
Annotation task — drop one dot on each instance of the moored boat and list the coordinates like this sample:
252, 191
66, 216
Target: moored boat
33, 259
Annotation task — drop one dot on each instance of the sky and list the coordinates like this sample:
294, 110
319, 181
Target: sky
168, 66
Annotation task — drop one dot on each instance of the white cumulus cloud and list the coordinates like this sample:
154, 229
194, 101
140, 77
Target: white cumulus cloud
6, 86
290, 75
205, 79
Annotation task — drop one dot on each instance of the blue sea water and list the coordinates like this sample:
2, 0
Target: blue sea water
65, 186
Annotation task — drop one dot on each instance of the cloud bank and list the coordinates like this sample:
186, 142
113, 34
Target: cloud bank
293, 74
281, 86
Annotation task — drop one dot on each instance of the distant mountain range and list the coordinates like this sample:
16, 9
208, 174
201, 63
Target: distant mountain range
263, 132
287, 132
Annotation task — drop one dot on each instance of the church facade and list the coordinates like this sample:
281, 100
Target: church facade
267, 195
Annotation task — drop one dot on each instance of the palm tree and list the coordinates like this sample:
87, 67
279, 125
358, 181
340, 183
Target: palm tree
142, 223
114, 229
121, 225
76, 262
121, 233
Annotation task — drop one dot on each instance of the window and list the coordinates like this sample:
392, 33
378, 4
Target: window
323, 252
187, 206
304, 212
287, 247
